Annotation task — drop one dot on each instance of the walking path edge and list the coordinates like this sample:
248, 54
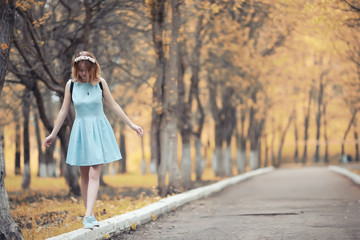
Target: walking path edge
353, 176
118, 224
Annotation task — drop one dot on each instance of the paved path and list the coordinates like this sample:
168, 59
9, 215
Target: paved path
304, 203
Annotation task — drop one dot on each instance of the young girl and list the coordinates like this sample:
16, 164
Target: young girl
92, 141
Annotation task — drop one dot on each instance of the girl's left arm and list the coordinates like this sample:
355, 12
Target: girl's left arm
109, 100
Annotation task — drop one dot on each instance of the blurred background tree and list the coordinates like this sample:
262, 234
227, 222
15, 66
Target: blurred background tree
231, 85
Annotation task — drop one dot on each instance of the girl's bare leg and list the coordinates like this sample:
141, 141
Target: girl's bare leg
84, 175
92, 189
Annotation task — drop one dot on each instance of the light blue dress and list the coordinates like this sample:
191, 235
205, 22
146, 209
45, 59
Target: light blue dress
92, 139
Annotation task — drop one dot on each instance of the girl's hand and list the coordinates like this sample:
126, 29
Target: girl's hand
48, 140
138, 130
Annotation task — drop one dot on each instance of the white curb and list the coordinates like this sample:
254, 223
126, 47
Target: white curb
353, 176
144, 215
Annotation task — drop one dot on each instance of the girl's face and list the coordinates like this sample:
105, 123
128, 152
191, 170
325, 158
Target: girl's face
83, 72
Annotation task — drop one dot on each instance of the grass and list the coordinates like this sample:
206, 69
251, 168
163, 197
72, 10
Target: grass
47, 210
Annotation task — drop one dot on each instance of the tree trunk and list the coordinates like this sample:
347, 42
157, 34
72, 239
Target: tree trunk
241, 143
282, 140
228, 160
326, 155
259, 150
50, 161
356, 137
170, 124
8, 228
254, 155
62, 165
217, 162
266, 162
241, 153
168, 134
26, 178
143, 162
228, 124
272, 144
17, 144
71, 174
155, 142
122, 150
306, 128
186, 165
254, 133
200, 162
255, 145
184, 120
351, 122
318, 118
194, 91
42, 171
296, 134
157, 22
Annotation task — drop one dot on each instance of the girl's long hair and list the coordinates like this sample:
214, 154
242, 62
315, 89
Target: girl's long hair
93, 68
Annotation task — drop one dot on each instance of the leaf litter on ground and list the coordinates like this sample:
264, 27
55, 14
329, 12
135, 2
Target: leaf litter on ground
45, 211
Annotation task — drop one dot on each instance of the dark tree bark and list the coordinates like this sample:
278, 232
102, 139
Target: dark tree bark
200, 162
168, 126
122, 150
266, 160
319, 115
306, 128
17, 144
241, 142
326, 155
26, 101
225, 122
143, 161
157, 22
356, 137
42, 171
351, 122
282, 140
228, 123
296, 134
254, 133
8, 228
70, 173
272, 144
50, 160
184, 120
185, 124
217, 162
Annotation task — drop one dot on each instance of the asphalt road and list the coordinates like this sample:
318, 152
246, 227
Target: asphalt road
303, 203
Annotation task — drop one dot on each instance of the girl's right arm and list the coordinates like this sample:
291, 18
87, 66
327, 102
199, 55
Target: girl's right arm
61, 117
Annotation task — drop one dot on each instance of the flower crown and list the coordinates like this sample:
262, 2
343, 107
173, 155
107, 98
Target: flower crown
81, 58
